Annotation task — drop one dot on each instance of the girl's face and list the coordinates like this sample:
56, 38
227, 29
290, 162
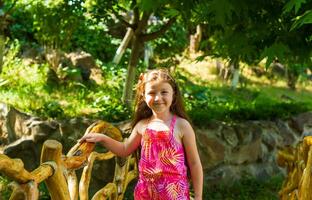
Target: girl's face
158, 96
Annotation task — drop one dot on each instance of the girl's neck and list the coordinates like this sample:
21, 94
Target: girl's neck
162, 117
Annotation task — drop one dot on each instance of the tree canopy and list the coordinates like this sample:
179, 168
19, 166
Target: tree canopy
238, 31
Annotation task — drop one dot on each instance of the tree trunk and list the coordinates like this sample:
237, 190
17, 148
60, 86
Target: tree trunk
228, 71
123, 46
138, 41
134, 59
292, 77
195, 39
219, 67
2, 41
199, 33
148, 54
235, 79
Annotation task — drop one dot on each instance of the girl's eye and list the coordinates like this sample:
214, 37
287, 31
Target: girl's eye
164, 92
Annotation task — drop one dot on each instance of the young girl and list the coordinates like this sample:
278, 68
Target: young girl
166, 138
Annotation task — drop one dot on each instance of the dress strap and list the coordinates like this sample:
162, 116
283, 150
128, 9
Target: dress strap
172, 124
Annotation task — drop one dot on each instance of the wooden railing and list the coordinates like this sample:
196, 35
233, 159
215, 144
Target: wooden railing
58, 171
298, 163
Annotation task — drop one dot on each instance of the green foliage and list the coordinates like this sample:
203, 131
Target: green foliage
22, 28
304, 19
221, 10
52, 109
43, 192
18, 73
5, 191
110, 108
28, 93
71, 73
293, 4
168, 45
55, 21
232, 107
247, 188
25, 87
249, 32
92, 37
108, 100
242, 104
276, 50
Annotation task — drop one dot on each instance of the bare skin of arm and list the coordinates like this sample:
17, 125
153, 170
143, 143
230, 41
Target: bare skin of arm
192, 156
122, 149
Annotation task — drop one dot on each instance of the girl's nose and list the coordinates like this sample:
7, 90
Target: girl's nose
157, 97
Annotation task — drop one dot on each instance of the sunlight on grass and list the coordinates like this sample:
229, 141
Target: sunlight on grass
206, 95
275, 89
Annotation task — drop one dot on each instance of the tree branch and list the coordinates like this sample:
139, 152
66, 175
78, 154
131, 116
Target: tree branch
9, 10
156, 34
136, 13
12, 6
121, 19
143, 22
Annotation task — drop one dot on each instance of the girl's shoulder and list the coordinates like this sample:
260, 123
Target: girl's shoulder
141, 126
182, 126
181, 122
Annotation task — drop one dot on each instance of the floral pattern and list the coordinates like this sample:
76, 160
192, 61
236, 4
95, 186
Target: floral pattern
163, 173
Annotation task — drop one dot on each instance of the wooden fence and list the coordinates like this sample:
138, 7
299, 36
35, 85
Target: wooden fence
58, 171
298, 163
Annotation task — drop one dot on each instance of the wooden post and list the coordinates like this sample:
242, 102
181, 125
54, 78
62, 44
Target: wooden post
14, 168
306, 181
44, 171
109, 191
17, 191
27, 191
86, 174
122, 175
72, 182
131, 174
57, 186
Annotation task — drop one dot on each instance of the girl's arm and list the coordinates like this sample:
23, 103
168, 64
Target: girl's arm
122, 149
192, 156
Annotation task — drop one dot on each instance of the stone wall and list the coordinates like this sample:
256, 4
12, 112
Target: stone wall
227, 151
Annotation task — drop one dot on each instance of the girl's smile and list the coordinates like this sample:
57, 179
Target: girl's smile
158, 96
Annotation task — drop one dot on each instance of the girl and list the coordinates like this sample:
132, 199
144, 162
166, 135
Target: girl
167, 140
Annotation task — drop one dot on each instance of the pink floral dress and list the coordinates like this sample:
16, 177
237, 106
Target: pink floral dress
162, 169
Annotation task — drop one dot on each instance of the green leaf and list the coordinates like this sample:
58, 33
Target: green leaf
170, 13
306, 18
150, 5
293, 4
277, 50
221, 9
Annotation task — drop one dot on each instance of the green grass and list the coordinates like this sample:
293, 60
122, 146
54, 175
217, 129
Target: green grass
246, 189
210, 101
26, 88
260, 99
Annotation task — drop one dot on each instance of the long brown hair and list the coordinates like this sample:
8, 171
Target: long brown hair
142, 111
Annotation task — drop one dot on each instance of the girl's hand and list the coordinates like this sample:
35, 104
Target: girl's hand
198, 198
92, 137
